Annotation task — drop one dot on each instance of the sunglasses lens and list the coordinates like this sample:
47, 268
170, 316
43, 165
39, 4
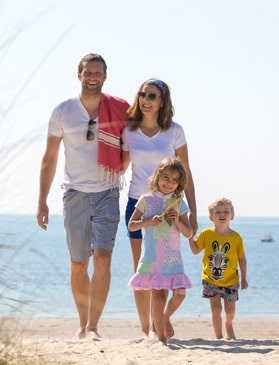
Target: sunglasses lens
152, 96
141, 94
90, 136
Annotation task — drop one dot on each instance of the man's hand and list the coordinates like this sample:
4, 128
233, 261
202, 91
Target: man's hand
42, 216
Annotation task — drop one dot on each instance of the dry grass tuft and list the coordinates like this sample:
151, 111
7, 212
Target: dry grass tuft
11, 349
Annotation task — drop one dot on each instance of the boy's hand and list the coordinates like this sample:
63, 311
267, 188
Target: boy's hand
244, 284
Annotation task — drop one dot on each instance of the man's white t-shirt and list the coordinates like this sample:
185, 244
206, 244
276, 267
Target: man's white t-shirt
69, 120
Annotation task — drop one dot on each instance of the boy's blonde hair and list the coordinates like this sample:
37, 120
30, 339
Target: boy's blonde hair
219, 202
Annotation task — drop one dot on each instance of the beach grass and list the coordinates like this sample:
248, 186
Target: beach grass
11, 350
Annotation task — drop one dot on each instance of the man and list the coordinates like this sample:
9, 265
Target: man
90, 127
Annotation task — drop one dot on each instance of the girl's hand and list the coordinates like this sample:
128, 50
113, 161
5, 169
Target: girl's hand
156, 220
172, 215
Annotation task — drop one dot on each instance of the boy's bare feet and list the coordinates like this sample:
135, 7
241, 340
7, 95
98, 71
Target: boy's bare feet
230, 332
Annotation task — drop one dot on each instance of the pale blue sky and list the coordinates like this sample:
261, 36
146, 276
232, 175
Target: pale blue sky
220, 59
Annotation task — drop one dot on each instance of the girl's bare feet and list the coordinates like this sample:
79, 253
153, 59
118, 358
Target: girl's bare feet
163, 342
169, 331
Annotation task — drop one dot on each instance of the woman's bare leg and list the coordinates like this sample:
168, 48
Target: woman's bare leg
142, 297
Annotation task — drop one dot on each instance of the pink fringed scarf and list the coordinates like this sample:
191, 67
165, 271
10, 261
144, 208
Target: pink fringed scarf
112, 118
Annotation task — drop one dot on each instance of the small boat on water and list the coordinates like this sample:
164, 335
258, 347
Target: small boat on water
267, 238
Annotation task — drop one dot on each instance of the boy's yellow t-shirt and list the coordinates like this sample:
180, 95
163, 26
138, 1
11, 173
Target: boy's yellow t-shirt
220, 257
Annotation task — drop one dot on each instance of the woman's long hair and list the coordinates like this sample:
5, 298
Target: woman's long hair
135, 116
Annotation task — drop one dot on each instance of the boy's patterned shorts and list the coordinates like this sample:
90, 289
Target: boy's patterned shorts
228, 293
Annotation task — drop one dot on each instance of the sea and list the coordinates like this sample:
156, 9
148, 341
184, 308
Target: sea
34, 271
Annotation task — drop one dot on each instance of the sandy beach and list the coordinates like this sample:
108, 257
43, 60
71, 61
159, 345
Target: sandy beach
50, 341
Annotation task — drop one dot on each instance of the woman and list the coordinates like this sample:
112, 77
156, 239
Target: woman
150, 136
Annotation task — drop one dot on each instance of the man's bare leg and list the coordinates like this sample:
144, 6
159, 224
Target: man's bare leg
174, 303
99, 288
80, 288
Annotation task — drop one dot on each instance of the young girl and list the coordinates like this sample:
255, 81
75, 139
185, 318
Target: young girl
162, 214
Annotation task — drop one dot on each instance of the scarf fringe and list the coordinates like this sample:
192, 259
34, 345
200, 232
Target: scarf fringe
114, 178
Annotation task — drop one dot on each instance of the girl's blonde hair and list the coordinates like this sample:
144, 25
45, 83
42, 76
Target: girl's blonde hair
172, 164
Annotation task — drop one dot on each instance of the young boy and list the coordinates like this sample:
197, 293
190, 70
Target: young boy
223, 252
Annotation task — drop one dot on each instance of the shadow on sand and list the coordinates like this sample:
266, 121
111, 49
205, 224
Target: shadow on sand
236, 346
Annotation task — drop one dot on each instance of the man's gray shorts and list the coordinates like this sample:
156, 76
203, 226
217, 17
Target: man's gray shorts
91, 221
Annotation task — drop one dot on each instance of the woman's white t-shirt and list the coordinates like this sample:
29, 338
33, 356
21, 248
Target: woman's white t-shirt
146, 153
